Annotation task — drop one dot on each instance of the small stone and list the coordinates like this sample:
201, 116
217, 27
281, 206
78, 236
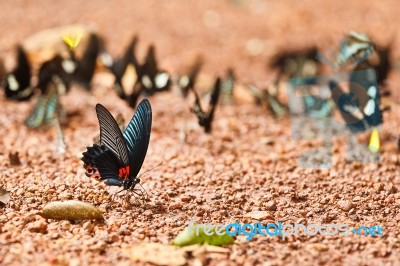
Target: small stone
88, 226
270, 206
345, 205
320, 247
113, 238
379, 187
185, 198
357, 198
176, 206
38, 227
148, 213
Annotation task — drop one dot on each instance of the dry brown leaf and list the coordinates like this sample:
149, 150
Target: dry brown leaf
43, 45
205, 248
158, 254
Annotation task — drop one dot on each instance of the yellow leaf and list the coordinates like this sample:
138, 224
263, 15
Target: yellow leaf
72, 40
374, 142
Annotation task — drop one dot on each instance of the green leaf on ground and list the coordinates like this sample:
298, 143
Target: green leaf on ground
203, 234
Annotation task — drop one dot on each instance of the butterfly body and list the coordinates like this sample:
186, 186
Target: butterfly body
119, 157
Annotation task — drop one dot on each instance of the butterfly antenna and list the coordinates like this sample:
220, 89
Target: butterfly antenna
151, 169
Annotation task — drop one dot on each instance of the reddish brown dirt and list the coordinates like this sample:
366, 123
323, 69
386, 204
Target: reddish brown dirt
214, 178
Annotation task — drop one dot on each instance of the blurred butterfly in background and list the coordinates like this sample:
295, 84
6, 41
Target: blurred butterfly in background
297, 65
120, 69
354, 48
206, 117
17, 84
270, 98
82, 69
149, 79
53, 82
120, 156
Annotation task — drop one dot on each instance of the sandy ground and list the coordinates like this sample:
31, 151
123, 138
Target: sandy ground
247, 164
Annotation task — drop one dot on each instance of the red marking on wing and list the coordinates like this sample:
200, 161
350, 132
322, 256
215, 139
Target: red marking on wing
92, 171
124, 172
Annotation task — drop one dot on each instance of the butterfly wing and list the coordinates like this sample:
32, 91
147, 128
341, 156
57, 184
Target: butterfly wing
87, 64
213, 105
100, 158
151, 78
137, 136
214, 98
110, 134
120, 66
17, 84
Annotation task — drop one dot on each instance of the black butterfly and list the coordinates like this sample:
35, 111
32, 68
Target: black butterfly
206, 118
119, 68
17, 84
149, 79
119, 157
82, 70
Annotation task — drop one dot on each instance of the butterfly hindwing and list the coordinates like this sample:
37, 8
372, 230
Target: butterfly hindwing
110, 134
137, 135
104, 160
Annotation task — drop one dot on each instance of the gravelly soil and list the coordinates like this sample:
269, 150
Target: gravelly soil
247, 164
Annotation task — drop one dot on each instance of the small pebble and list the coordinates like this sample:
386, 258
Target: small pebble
345, 205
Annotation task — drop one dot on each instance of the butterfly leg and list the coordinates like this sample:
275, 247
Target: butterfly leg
147, 195
114, 182
61, 146
141, 194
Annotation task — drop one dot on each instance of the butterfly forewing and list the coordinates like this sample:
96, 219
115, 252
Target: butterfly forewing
111, 135
137, 136
214, 97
